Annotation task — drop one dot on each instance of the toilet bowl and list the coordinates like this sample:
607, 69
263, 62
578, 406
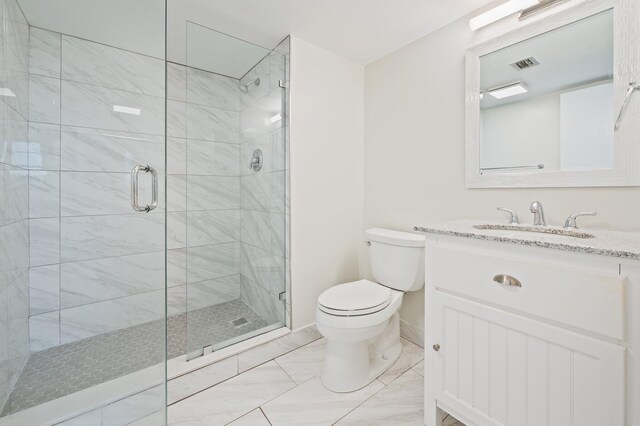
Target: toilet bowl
360, 320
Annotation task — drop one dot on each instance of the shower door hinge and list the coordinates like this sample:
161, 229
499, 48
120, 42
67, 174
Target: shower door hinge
282, 296
282, 84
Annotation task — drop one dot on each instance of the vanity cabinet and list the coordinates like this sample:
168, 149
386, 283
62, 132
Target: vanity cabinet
519, 335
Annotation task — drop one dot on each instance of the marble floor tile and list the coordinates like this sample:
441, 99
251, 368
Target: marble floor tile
254, 418
312, 404
155, 419
274, 348
410, 356
196, 381
304, 363
399, 404
233, 398
419, 368
92, 418
135, 407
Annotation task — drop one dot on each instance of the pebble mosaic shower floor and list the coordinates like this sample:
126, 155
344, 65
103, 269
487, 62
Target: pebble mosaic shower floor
69, 368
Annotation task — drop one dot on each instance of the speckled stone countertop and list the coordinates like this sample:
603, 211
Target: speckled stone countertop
605, 243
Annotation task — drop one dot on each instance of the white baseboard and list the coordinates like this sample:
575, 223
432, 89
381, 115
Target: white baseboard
412, 333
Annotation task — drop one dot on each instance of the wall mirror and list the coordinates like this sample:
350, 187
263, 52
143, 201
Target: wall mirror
542, 103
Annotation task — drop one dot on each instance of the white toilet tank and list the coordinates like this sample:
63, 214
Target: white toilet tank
396, 258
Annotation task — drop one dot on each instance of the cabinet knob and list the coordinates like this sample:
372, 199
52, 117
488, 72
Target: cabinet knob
436, 347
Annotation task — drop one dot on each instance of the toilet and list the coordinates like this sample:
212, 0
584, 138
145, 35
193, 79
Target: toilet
360, 320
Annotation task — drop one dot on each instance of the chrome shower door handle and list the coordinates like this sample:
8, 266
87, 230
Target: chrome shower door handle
135, 202
154, 188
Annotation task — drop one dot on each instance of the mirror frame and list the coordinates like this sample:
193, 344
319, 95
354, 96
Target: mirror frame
626, 171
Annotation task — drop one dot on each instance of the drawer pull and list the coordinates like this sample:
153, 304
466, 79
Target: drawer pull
507, 280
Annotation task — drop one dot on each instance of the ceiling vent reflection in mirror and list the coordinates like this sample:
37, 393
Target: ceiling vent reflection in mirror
525, 63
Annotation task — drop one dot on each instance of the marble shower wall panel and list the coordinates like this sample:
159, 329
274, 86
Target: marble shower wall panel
203, 180
14, 196
96, 265
264, 194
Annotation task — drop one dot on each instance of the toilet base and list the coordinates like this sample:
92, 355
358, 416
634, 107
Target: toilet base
377, 365
350, 366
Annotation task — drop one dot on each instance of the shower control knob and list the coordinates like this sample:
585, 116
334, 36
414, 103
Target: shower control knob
256, 160
436, 347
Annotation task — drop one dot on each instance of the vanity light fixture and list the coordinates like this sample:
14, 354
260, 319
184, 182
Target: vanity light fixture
526, 8
508, 90
5, 91
541, 6
126, 110
500, 12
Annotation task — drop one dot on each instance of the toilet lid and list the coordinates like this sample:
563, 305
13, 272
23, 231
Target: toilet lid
356, 298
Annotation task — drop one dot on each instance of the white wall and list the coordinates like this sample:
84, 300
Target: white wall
326, 174
414, 151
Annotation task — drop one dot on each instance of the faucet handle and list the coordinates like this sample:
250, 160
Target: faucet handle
514, 219
570, 223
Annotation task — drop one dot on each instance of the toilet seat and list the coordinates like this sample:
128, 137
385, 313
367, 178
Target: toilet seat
357, 298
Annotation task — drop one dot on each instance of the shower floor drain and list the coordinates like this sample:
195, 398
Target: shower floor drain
238, 322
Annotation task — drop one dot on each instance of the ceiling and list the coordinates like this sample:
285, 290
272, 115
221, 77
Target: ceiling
360, 30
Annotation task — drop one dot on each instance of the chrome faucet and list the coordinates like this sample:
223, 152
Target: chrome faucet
570, 223
513, 219
538, 214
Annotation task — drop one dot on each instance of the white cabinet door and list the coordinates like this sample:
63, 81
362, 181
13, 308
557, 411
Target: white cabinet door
498, 368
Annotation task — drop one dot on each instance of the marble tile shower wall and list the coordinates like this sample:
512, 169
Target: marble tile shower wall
96, 265
264, 213
203, 153
14, 231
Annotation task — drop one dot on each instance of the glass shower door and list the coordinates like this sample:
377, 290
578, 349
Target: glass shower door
234, 104
82, 210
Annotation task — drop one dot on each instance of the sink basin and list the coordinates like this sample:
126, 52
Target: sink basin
538, 229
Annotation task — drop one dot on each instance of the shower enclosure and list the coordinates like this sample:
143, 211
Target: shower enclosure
143, 209
230, 221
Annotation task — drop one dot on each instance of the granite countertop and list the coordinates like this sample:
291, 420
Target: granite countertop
605, 243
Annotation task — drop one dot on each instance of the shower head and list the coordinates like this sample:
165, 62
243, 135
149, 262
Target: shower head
244, 88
